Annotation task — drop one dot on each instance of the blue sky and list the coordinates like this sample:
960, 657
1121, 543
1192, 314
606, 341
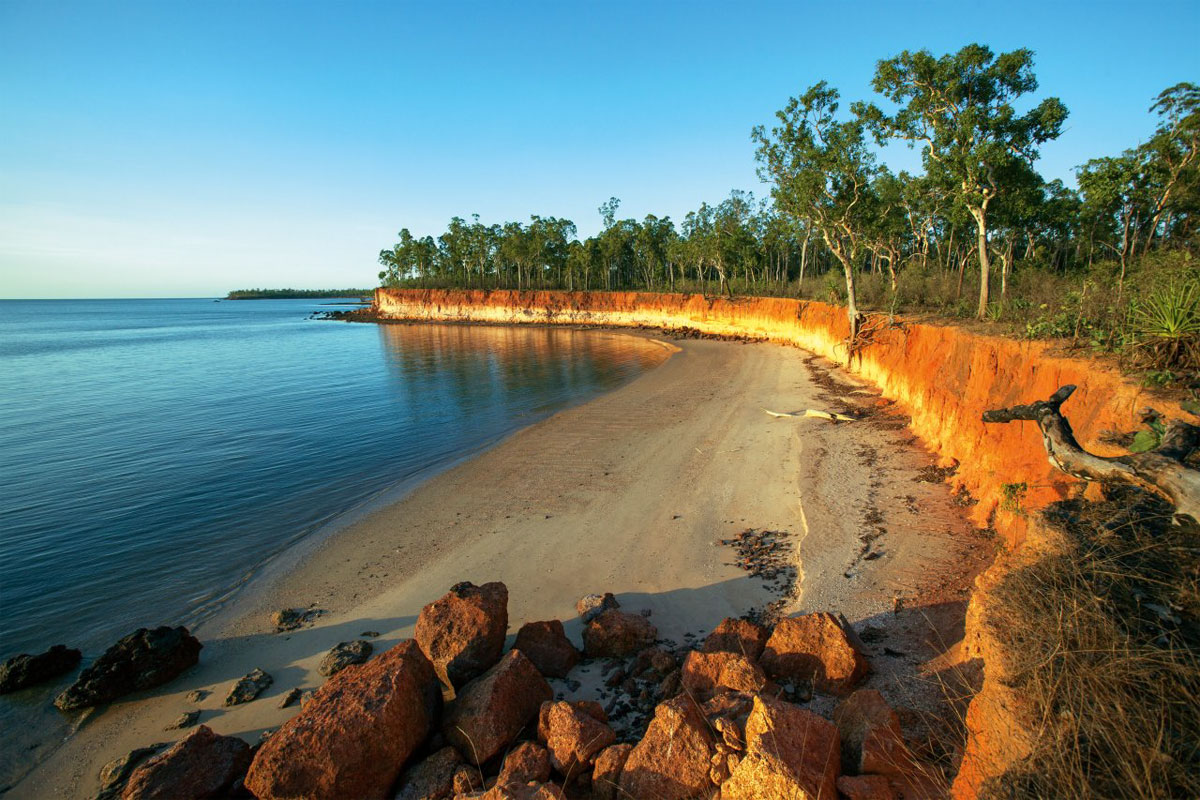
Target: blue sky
184, 149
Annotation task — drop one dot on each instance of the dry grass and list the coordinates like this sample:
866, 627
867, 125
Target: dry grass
1104, 643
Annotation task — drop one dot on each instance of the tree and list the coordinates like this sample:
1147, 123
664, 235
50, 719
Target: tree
959, 107
820, 171
1173, 151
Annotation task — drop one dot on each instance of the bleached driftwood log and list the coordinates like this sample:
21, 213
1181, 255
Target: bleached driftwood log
1162, 470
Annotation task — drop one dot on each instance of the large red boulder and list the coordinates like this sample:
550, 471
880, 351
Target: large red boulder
615, 634
672, 760
201, 765
574, 737
547, 646
491, 710
819, 648
526, 762
353, 737
872, 741
737, 636
865, 787
463, 632
432, 779
606, 777
589, 707
705, 673
790, 752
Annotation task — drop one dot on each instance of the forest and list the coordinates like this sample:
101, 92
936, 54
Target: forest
978, 234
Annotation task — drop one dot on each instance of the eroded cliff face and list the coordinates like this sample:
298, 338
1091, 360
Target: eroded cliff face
943, 377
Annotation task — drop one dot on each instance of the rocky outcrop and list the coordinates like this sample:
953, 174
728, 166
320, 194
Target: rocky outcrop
704, 673
819, 648
574, 738
606, 777
547, 646
200, 766
463, 632
432, 779
591, 606
615, 634
672, 760
26, 670
790, 752
115, 774
142, 660
738, 636
525, 763
344, 654
248, 687
353, 738
872, 741
290, 619
490, 711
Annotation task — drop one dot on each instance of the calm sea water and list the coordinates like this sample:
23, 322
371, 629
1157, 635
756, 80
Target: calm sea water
155, 453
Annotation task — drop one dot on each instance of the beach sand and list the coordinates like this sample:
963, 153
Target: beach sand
631, 493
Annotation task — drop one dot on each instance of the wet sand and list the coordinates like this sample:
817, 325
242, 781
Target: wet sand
631, 493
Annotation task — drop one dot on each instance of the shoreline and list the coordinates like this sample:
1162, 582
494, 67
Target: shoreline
536, 510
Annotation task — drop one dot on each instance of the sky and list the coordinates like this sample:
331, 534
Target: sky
183, 149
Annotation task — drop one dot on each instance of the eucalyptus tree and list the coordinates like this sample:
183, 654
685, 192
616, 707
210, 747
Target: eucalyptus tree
959, 107
820, 170
1172, 156
1115, 203
887, 228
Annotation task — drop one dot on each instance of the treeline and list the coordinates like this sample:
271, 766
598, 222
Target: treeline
979, 214
288, 294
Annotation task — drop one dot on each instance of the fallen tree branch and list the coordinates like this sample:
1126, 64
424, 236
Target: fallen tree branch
1162, 470
812, 412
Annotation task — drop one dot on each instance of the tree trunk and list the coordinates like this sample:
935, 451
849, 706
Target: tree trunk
980, 215
1162, 470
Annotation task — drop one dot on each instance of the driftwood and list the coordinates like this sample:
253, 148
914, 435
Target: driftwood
812, 412
1162, 470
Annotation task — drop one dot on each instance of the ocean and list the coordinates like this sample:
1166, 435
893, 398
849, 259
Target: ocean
155, 455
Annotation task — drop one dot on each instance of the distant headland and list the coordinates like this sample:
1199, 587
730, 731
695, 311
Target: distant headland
286, 294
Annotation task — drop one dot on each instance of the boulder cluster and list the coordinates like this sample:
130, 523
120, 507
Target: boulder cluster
451, 715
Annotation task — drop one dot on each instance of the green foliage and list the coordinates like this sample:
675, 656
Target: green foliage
1167, 325
1012, 495
278, 294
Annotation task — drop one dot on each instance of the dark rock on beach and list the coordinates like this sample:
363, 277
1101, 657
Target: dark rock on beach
142, 660
591, 606
248, 687
185, 720
343, 655
25, 670
547, 646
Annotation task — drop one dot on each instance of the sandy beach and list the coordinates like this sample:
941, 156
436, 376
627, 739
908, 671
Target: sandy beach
631, 493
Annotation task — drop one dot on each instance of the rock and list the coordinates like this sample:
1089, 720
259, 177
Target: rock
306, 697
704, 673
865, 787
671, 762
737, 636
291, 697
589, 707
547, 646
574, 738
432, 779
518, 791
115, 774
615, 634
201, 765
653, 663
289, 619
248, 687
344, 654
591, 606
353, 737
463, 632
790, 752
25, 670
142, 660
185, 720
371, 634
524, 763
872, 741
491, 710
196, 695
607, 774
818, 648
466, 780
